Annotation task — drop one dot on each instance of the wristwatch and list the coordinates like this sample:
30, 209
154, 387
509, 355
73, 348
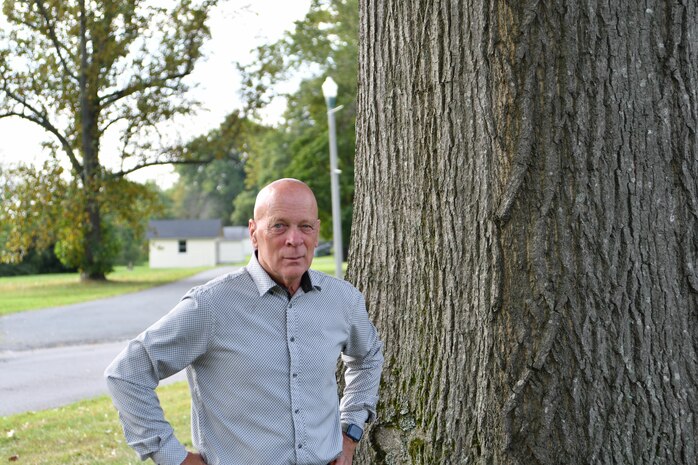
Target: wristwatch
353, 432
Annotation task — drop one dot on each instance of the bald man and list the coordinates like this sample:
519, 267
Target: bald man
260, 347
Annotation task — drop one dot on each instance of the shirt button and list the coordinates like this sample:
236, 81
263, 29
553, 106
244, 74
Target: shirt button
293, 338
290, 305
296, 411
295, 375
300, 446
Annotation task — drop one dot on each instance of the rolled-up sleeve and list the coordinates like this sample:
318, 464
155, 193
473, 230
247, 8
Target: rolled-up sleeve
363, 358
167, 347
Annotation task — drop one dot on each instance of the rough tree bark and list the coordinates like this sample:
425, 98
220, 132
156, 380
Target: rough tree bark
526, 229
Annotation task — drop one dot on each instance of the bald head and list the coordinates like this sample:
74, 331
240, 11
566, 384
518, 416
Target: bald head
285, 230
283, 189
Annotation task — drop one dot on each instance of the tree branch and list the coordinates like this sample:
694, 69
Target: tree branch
45, 124
142, 85
123, 173
109, 123
42, 120
54, 38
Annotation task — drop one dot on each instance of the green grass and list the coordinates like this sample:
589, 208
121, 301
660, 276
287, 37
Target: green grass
84, 433
326, 264
21, 293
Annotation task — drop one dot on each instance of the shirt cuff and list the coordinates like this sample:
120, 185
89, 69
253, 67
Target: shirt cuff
171, 452
356, 418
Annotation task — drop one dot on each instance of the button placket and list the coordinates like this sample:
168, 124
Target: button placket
294, 368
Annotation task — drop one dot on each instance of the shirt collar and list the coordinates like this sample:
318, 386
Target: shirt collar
265, 283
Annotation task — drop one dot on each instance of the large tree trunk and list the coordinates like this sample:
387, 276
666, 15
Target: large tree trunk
526, 229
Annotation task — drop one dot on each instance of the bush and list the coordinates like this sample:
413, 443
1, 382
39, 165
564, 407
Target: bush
36, 262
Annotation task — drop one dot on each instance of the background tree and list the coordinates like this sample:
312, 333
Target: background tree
40, 208
34, 261
79, 69
208, 191
323, 43
526, 230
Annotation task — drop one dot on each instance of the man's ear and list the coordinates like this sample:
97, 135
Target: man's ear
252, 226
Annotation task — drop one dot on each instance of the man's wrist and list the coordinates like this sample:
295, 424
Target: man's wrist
353, 431
171, 452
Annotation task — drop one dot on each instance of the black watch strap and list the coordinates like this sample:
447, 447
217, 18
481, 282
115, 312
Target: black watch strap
353, 432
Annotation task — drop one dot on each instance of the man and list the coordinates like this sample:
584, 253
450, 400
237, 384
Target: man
260, 347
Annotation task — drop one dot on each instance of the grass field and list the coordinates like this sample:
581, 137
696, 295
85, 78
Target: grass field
326, 264
20, 293
84, 433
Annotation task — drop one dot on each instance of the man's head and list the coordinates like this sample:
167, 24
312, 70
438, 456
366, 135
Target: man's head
285, 230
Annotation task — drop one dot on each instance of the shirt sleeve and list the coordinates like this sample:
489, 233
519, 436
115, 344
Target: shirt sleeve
167, 347
363, 358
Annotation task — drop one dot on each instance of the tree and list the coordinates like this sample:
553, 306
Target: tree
526, 230
79, 69
208, 191
39, 209
323, 43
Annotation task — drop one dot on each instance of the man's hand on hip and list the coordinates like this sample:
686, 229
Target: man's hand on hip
195, 459
348, 447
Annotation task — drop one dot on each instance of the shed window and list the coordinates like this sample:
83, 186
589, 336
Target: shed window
182, 246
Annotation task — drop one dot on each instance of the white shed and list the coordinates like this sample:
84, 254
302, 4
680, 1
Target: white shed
184, 243
235, 246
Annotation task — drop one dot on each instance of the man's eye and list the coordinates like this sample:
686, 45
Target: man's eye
307, 227
278, 227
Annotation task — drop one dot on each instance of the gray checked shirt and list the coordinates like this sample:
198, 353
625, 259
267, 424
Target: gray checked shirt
261, 369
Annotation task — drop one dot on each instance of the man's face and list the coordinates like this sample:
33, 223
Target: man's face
286, 233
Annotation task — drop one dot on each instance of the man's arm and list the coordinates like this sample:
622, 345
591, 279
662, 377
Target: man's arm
162, 350
363, 359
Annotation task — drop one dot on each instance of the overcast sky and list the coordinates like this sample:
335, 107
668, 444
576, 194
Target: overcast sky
237, 26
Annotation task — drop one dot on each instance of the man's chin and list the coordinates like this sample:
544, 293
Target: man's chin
295, 267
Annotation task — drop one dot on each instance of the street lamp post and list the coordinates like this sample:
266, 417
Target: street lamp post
329, 90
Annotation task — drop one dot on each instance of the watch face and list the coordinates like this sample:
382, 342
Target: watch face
354, 432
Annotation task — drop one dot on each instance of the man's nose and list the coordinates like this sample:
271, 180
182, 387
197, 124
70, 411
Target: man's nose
294, 236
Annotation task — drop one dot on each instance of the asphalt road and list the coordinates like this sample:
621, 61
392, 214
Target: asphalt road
56, 356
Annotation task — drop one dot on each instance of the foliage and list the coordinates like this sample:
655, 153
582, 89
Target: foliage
31, 207
325, 43
82, 69
266, 161
41, 209
243, 208
35, 262
208, 191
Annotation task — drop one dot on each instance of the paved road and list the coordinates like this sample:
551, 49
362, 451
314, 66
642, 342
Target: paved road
56, 356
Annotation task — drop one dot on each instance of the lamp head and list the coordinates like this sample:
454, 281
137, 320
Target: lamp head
329, 90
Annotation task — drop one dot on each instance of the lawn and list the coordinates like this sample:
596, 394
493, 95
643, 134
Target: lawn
84, 433
326, 264
20, 293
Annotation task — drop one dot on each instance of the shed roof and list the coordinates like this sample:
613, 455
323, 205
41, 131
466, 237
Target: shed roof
184, 229
236, 233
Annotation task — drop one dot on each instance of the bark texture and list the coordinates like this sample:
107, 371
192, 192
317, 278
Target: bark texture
526, 229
